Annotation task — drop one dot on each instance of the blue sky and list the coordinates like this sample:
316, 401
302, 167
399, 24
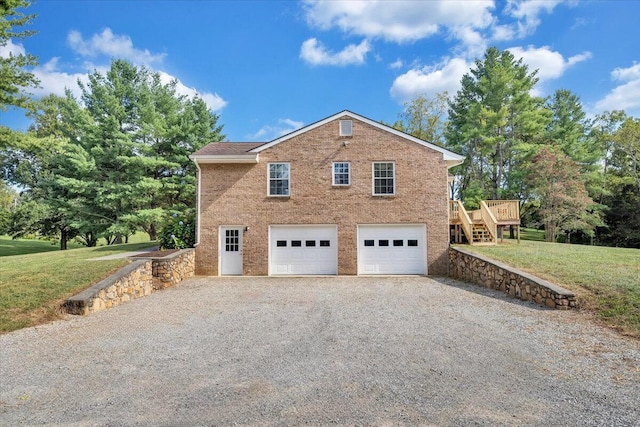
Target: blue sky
269, 67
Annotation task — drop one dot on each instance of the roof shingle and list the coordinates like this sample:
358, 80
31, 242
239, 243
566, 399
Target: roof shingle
227, 148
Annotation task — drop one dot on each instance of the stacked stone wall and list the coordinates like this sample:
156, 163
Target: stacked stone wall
171, 270
138, 279
491, 274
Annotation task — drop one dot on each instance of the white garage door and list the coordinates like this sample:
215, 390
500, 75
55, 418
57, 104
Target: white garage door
392, 249
298, 249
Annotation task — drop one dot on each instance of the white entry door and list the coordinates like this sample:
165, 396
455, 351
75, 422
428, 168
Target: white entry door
231, 251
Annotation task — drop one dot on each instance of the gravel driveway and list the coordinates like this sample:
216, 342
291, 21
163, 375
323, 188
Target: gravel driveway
320, 351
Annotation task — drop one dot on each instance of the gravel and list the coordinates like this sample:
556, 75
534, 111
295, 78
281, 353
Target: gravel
321, 351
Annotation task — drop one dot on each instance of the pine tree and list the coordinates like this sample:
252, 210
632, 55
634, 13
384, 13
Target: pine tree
495, 122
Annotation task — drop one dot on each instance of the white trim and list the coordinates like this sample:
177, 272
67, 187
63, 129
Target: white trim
373, 179
226, 158
333, 174
269, 179
198, 197
450, 158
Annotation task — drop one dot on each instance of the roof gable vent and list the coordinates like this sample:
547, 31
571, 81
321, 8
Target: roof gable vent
346, 128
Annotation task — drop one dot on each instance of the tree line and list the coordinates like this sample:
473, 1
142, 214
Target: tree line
574, 176
115, 159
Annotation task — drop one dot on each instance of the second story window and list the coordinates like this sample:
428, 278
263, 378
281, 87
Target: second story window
341, 173
384, 179
279, 179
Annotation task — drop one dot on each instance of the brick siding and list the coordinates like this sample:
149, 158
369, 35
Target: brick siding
236, 194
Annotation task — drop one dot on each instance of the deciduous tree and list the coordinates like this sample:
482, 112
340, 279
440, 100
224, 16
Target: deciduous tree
557, 184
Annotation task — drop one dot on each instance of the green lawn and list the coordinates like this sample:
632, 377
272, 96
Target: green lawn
9, 247
605, 279
531, 234
33, 286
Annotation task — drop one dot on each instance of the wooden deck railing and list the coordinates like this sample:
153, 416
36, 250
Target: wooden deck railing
505, 210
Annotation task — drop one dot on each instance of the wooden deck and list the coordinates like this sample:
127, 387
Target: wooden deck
480, 227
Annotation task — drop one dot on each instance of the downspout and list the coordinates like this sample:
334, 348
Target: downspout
198, 203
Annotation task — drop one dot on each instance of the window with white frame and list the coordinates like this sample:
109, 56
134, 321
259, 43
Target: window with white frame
341, 173
384, 179
279, 179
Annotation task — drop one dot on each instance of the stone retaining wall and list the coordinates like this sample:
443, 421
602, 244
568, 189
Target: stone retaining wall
476, 269
135, 280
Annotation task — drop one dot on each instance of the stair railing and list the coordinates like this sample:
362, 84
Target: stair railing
489, 220
465, 221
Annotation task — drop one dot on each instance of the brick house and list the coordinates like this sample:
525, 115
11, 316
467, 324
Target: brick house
345, 195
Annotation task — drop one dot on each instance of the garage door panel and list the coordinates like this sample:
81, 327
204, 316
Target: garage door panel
303, 250
392, 249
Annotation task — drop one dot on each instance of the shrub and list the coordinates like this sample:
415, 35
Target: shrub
178, 231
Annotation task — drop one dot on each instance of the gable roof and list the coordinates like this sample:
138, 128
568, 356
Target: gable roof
247, 152
451, 158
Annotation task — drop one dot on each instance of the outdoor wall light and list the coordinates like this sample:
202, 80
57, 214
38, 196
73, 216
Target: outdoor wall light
346, 143
246, 228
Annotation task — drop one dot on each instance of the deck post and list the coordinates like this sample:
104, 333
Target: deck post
518, 233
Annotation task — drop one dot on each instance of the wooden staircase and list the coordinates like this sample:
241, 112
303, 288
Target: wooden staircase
480, 227
481, 235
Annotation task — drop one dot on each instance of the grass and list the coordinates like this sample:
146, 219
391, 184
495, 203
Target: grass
33, 286
606, 280
9, 247
532, 234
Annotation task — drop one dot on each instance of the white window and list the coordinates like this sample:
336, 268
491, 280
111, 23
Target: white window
341, 173
384, 179
346, 128
279, 179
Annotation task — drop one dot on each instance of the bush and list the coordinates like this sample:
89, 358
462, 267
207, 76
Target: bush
178, 231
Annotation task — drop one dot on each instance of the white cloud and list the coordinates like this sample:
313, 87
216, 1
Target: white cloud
550, 64
54, 81
270, 132
315, 53
111, 45
528, 13
11, 48
473, 43
213, 100
397, 64
624, 74
397, 21
430, 80
625, 96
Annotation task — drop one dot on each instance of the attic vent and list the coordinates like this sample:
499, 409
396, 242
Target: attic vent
346, 128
